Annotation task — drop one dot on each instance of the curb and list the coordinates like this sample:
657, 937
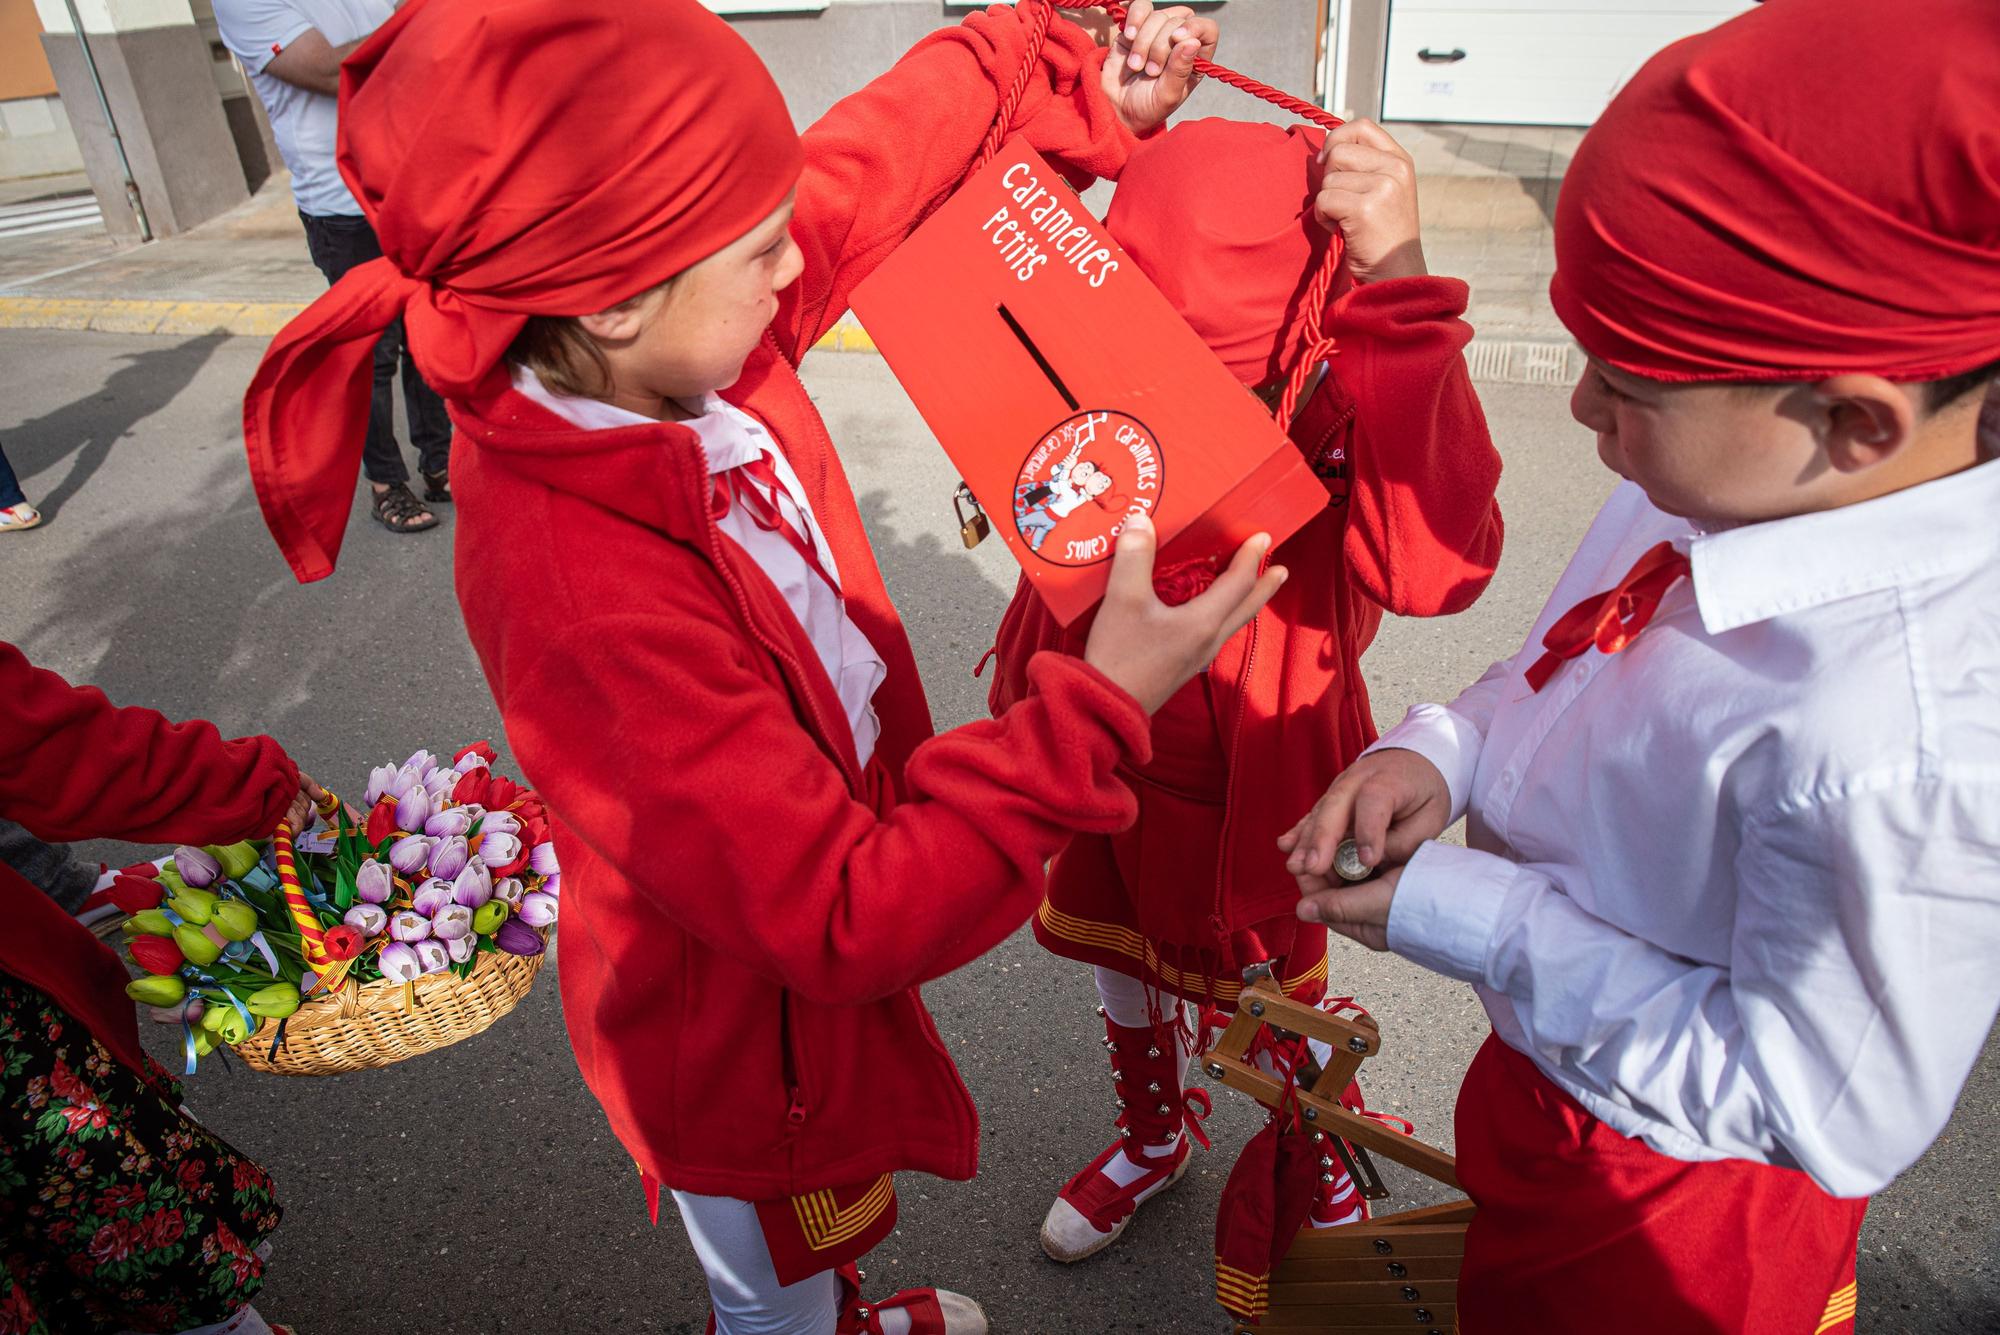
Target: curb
1491, 360
250, 319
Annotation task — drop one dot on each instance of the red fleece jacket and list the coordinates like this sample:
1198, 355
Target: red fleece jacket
75, 766
1419, 535
746, 912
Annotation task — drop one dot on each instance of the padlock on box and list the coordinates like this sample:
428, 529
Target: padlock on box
1069, 391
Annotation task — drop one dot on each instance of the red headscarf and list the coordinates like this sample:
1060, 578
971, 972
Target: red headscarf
1806, 190
1218, 213
516, 158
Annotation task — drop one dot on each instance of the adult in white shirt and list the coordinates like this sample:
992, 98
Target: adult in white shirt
292, 50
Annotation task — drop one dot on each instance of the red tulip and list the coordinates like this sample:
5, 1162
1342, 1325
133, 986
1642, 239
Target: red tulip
381, 822
503, 794
472, 787
156, 954
136, 894
343, 942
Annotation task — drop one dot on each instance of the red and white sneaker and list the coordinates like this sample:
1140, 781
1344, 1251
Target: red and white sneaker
914, 1312
1155, 1122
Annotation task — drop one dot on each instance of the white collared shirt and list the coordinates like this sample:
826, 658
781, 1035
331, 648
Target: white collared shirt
1737, 888
731, 438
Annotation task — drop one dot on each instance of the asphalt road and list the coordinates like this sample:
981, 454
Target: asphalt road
477, 1189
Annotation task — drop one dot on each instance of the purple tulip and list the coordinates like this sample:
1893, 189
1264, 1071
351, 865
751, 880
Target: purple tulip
413, 810
517, 938
431, 896
448, 859
508, 891
444, 824
409, 925
432, 957
400, 783
470, 761
538, 909
196, 868
409, 854
440, 784
451, 922
367, 919
374, 882
473, 886
543, 859
551, 885
423, 762
500, 822
399, 962
462, 948
500, 850
379, 780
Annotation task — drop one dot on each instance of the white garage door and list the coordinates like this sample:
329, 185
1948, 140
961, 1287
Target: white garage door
1504, 62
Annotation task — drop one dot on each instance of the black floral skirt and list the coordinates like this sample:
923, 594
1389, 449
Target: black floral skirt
117, 1211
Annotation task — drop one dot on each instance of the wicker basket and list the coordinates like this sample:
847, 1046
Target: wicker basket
379, 1023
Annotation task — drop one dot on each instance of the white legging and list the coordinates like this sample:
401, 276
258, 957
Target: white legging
743, 1285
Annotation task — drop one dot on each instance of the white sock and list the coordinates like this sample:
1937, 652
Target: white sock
895, 1321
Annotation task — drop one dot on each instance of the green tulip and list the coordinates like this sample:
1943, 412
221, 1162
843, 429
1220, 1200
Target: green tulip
235, 919
149, 922
486, 919
274, 1002
157, 990
170, 878
211, 1018
233, 1028
197, 906
194, 944
236, 859
204, 1042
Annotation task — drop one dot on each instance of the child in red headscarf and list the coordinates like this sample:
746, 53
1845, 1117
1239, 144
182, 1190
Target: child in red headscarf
611, 251
1232, 220
1730, 894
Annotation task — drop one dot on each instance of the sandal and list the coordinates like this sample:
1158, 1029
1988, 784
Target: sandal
19, 518
401, 512
437, 486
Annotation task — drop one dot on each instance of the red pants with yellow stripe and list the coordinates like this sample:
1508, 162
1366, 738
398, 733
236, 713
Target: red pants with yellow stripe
1581, 1229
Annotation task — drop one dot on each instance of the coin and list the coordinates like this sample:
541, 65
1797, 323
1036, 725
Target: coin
1347, 862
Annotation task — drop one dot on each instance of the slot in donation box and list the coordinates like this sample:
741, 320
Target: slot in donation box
1069, 392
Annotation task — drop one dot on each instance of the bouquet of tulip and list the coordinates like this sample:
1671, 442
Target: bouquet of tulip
450, 863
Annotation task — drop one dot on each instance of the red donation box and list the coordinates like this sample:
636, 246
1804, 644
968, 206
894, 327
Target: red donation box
1068, 390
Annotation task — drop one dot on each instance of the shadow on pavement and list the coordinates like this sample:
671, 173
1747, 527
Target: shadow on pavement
85, 431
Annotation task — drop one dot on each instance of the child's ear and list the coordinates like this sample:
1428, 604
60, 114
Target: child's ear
620, 324
1864, 420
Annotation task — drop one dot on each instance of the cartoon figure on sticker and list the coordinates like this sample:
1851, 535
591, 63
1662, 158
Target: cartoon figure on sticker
1068, 508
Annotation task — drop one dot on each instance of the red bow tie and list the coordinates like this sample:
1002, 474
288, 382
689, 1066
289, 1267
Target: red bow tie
1613, 619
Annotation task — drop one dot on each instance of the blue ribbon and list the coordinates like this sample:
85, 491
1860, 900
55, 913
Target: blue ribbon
187, 1039
270, 956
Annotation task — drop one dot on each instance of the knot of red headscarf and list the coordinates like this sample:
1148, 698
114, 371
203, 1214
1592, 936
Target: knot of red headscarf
1806, 190
1219, 214
1613, 619
515, 159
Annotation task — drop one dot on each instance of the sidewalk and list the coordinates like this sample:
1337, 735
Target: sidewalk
1487, 194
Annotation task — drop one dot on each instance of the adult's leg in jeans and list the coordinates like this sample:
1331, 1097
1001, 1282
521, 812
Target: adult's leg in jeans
10, 486
430, 425
337, 245
743, 1285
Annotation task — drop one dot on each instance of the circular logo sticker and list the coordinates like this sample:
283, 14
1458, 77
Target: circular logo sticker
1079, 483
